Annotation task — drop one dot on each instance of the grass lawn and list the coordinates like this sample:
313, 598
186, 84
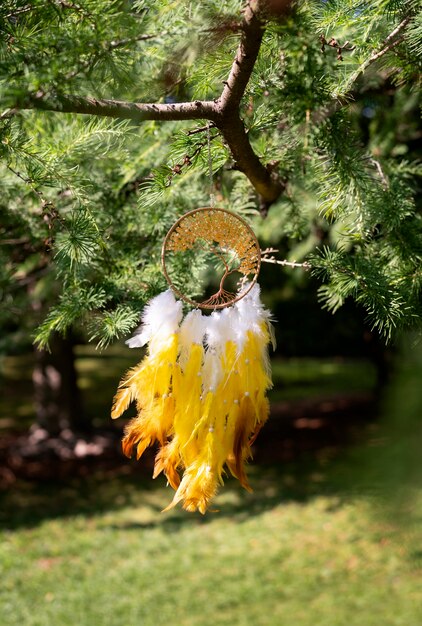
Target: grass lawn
299, 551
310, 547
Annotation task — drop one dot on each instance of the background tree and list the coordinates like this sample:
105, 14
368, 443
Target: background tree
312, 114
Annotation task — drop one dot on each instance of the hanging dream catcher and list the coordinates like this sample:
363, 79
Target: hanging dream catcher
200, 391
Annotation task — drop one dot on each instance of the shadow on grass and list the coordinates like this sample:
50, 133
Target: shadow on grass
128, 488
269, 493
292, 461
298, 456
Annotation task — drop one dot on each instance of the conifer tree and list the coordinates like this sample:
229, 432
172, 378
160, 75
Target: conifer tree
310, 112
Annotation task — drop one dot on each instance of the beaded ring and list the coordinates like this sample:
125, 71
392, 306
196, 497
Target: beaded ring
227, 239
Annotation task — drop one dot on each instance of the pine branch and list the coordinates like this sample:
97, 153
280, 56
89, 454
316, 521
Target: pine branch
268, 186
201, 129
16, 12
49, 211
229, 122
224, 111
109, 47
388, 44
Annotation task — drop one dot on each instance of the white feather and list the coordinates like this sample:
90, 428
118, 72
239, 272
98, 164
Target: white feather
192, 329
251, 314
221, 327
212, 370
162, 315
213, 333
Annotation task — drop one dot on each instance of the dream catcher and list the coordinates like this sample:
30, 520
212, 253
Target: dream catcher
200, 391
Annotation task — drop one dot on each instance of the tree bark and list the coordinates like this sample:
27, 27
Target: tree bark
136, 111
268, 185
56, 393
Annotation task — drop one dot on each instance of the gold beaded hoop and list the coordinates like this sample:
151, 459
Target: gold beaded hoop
226, 236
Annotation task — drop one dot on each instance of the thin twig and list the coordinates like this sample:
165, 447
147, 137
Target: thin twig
334, 43
71, 5
202, 129
387, 46
49, 210
375, 56
265, 258
27, 181
14, 242
383, 177
122, 42
187, 159
8, 114
27, 279
397, 30
112, 45
19, 11
327, 111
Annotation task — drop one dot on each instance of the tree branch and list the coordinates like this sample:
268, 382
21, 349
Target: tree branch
388, 44
268, 186
244, 61
224, 111
267, 256
137, 111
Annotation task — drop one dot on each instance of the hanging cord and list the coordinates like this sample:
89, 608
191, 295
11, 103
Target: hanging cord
212, 197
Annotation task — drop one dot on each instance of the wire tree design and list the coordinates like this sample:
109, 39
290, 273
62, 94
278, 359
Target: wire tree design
225, 238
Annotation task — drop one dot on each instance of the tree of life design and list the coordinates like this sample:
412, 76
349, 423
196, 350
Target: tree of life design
224, 237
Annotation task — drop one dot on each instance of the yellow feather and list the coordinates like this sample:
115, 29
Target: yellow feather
121, 401
150, 384
127, 389
197, 488
168, 461
199, 431
187, 390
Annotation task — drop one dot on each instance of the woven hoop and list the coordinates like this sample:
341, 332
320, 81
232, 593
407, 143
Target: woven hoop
221, 233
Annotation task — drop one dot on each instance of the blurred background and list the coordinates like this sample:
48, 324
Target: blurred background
331, 535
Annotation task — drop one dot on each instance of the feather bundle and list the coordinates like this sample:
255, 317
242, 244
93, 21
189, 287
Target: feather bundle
200, 391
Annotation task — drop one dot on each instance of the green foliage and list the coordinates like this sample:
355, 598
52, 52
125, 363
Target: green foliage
113, 324
77, 244
88, 201
72, 305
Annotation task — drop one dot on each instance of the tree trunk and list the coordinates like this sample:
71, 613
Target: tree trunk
57, 397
